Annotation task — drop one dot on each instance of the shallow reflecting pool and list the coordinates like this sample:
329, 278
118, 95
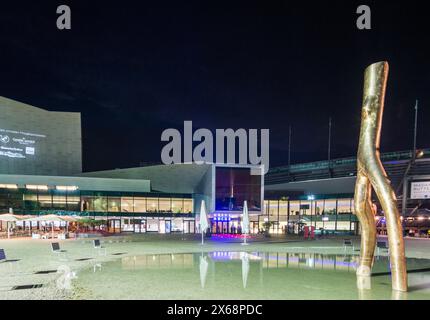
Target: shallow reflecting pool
241, 275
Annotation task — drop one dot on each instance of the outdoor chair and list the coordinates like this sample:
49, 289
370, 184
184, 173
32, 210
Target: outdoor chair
382, 245
55, 246
3, 257
13, 266
347, 243
99, 247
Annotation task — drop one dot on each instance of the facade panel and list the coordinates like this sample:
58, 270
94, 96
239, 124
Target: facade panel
36, 141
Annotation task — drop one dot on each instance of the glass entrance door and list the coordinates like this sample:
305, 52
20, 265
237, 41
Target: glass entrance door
168, 226
189, 226
114, 225
220, 227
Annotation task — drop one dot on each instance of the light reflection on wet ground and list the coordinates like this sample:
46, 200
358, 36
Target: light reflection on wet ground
246, 275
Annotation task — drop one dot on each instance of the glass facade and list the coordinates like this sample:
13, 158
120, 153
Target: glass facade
327, 214
168, 213
235, 185
36, 200
131, 212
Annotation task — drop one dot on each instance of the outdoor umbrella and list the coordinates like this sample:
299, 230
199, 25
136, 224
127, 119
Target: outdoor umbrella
49, 218
245, 221
9, 217
24, 220
245, 267
203, 270
69, 219
203, 219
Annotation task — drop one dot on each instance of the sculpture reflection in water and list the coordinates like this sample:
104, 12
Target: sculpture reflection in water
364, 287
371, 173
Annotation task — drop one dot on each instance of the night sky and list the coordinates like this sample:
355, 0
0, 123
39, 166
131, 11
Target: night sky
134, 69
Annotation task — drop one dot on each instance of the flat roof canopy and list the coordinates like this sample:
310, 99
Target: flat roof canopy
323, 186
82, 183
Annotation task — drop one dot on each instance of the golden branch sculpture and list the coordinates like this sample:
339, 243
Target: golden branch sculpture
371, 173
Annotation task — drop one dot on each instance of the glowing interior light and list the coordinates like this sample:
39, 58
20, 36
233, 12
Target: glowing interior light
8, 186
66, 188
420, 154
36, 187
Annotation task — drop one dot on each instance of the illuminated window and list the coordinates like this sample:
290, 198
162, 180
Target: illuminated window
164, 205
66, 188
294, 208
326, 225
273, 208
266, 206
45, 200
127, 204
152, 225
73, 203
177, 205
139, 204
177, 225
343, 225
36, 187
330, 206
152, 205
59, 202
344, 206
114, 204
188, 206
8, 186
283, 210
319, 207
306, 207
87, 203
100, 203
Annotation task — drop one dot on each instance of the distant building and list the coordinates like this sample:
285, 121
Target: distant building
36, 141
41, 172
322, 193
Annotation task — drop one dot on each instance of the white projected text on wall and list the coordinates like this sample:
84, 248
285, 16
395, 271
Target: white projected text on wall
19, 144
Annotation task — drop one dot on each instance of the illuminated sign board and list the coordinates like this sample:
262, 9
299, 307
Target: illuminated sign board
19, 144
420, 190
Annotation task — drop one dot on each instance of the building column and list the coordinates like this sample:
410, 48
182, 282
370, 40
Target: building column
405, 195
335, 222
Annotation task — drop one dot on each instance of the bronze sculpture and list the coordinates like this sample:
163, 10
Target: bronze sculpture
371, 173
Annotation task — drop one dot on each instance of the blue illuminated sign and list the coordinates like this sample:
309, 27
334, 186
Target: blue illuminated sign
221, 217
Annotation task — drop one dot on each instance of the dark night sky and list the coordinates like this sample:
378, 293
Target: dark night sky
134, 69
